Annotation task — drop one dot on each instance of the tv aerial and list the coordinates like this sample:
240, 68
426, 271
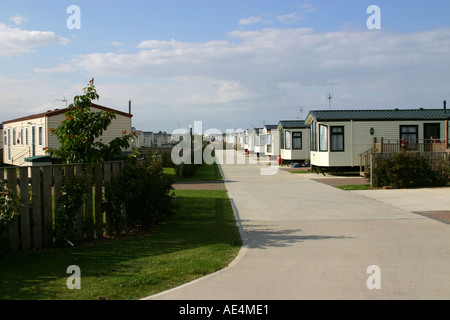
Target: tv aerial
300, 116
64, 100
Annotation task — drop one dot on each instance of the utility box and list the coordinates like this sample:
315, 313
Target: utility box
39, 161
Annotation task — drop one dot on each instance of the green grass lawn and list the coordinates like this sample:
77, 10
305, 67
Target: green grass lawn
203, 173
201, 238
355, 187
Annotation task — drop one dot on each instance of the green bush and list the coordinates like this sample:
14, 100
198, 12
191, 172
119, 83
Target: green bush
408, 170
66, 209
10, 205
144, 193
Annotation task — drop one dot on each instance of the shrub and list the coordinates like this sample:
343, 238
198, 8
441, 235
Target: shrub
10, 205
67, 207
143, 191
407, 170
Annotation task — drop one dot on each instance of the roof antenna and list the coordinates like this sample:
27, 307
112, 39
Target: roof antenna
329, 100
300, 116
64, 100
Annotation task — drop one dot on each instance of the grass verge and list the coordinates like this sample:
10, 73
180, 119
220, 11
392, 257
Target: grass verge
201, 238
355, 187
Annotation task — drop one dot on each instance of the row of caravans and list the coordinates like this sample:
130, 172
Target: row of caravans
288, 140
337, 138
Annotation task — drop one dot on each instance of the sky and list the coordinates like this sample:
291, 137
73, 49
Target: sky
231, 64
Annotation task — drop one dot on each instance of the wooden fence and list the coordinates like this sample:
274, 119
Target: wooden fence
40, 188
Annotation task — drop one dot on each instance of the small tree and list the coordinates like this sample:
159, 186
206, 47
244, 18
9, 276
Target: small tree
79, 132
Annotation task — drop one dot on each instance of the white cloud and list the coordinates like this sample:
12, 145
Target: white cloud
18, 19
259, 59
266, 73
250, 20
15, 41
290, 18
63, 68
31, 95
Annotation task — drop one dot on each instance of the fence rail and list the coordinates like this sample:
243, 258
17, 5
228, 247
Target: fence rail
419, 146
40, 188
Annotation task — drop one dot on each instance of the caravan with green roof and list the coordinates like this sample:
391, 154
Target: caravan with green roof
339, 137
294, 140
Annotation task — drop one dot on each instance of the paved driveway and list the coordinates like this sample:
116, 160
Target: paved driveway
308, 240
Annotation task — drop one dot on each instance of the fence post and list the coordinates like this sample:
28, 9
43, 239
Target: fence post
37, 211
116, 175
58, 182
47, 205
14, 228
79, 173
382, 145
89, 217
125, 218
372, 166
98, 201
25, 211
107, 180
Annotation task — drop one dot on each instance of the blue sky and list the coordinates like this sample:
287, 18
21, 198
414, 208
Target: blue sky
231, 64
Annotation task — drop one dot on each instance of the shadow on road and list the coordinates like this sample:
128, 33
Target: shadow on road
267, 238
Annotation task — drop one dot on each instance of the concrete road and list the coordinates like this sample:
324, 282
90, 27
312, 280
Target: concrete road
308, 240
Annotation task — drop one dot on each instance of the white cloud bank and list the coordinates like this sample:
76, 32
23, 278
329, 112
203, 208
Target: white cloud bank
268, 74
271, 56
15, 41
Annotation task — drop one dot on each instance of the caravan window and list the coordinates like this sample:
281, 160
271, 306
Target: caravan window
337, 139
288, 140
323, 138
313, 136
409, 133
40, 137
297, 141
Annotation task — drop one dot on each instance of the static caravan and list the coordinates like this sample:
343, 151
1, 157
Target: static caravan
246, 140
272, 148
147, 139
294, 140
339, 137
240, 139
29, 137
2, 140
236, 139
161, 139
252, 140
259, 141
142, 139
